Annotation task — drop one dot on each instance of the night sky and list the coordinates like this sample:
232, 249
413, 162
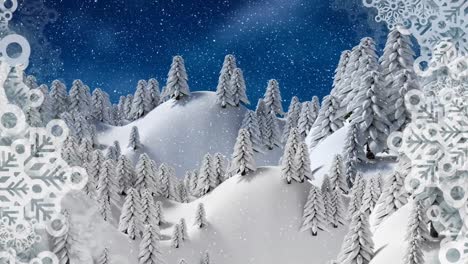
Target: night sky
113, 43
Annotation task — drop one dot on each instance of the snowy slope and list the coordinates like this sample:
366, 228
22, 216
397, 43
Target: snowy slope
181, 133
251, 219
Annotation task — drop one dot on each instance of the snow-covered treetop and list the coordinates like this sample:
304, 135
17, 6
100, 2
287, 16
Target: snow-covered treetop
177, 85
273, 97
238, 88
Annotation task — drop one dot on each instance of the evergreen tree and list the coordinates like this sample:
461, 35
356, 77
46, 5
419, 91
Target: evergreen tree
238, 89
177, 85
90, 187
70, 151
340, 74
33, 117
125, 173
182, 194
303, 163
393, 197
144, 175
176, 237
105, 257
337, 178
134, 141
250, 123
121, 107
371, 195
327, 199
262, 117
272, 137
183, 229
337, 208
327, 121
243, 160
117, 147
100, 107
141, 101
78, 99
306, 119
292, 118
272, 98
45, 109
127, 108
207, 180
150, 249
131, 217
86, 150
31, 82
200, 216
153, 94
357, 193
315, 108
223, 90
108, 188
62, 244
402, 116
194, 188
289, 169
219, 168
112, 153
95, 164
415, 235
164, 180
314, 216
352, 153
148, 208
358, 246
159, 214
58, 98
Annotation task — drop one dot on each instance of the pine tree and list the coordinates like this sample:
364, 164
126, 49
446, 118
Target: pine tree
238, 89
327, 199
62, 244
340, 75
328, 121
337, 179
223, 90
70, 151
164, 183
357, 193
31, 82
352, 153
90, 187
78, 98
200, 216
371, 195
95, 164
121, 106
112, 153
86, 149
154, 94
272, 137
292, 117
315, 108
100, 108
182, 193
393, 197
176, 237
314, 216
58, 98
144, 175
104, 258
303, 163
117, 147
194, 188
243, 160
358, 246
206, 258
337, 208
148, 208
150, 249
131, 216
127, 108
250, 123
33, 117
206, 176
219, 168
289, 170
306, 119
159, 214
108, 188
183, 229
397, 60
272, 98
141, 101
177, 85
262, 117
415, 235
134, 141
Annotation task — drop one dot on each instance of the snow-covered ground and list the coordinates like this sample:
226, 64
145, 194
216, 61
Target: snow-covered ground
181, 132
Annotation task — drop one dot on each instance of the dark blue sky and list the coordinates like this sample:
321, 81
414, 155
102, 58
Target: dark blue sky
113, 43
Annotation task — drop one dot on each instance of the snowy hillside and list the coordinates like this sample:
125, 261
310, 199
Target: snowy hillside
181, 132
251, 219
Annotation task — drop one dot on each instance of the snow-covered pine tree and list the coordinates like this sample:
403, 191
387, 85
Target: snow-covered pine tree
306, 119
100, 109
352, 153
416, 233
262, 113
149, 214
337, 208
398, 57
134, 141
125, 173
70, 151
31, 82
127, 108
370, 115
223, 90
371, 195
340, 75
314, 216
315, 108
86, 149
194, 190
357, 193
117, 147
393, 197
337, 179
176, 239
243, 161
303, 163
183, 229
121, 107
358, 246
159, 214
206, 175
95, 164
58, 98
164, 180
62, 244
81, 126
219, 167
250, 123
289, 170
292, 117
78, 98
130, 222
238, 89
90, 186
206, 258
141, 101
144, 175
182, 193
272, 98
272, 137
150, 249
104, 258
112, 153
328, 121
327, 199
108, 188
32, 116
177, 85
45, 108
200, 216
153, 93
